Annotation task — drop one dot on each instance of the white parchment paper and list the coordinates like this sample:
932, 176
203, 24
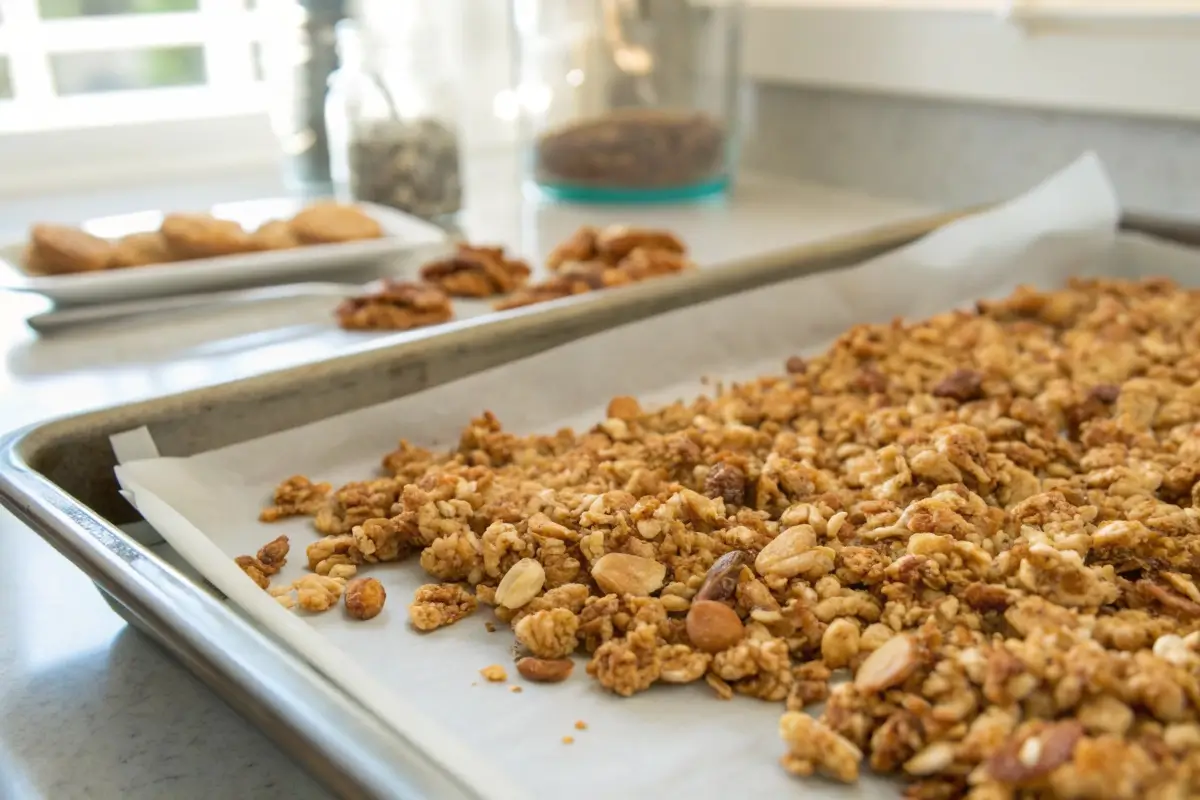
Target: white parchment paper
670, 741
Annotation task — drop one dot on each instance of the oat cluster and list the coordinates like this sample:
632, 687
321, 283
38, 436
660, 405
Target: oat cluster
601, 258
988, 521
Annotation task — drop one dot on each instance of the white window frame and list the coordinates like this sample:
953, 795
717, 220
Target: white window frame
1012, 52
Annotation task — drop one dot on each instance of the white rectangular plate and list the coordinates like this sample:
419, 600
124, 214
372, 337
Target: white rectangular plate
404, 237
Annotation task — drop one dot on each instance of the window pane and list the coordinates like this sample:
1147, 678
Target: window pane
5, 80
86, 73
57, 9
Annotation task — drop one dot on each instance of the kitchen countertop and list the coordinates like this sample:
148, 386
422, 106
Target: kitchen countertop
90, 708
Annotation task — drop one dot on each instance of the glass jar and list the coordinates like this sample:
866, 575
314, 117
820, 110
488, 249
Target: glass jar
628, 100
298, 56
392, 112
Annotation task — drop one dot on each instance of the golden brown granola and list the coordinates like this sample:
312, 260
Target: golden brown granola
592, 259
436, 605
396, 306
991, 519
297, 496
476, 272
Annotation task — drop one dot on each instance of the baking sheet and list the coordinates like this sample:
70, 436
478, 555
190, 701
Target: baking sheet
670, 741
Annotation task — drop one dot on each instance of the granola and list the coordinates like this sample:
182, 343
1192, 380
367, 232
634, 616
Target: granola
592, 259
989, 519
476, 272
396, 306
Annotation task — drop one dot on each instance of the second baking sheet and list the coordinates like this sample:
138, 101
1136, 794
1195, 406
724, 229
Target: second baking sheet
672, 740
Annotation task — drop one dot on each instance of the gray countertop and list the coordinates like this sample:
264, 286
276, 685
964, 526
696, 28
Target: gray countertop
90, 708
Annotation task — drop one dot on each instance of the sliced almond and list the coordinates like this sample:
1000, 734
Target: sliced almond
888, 666
521, 583
621, 573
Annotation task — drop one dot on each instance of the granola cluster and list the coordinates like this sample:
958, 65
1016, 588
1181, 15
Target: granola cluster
476, 272
396, 306
593, 259
990, 521
589, 260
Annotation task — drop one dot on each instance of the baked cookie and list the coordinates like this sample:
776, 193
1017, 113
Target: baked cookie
275, 235
141, 250
330, 223
204, 236
58, 250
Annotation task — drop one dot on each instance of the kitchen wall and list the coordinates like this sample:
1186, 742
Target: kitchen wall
954, 154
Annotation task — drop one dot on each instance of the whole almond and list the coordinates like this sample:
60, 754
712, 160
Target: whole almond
521, 583
887, 666
713, 626
621, 573
545, 670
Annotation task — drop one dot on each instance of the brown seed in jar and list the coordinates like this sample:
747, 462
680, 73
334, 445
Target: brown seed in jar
365, 598
713, 626
545, 670
720, 583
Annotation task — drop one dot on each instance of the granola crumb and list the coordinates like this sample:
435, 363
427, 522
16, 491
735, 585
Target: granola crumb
436, 605
580, 725
568, 740
515, 689
489, 627
494, 673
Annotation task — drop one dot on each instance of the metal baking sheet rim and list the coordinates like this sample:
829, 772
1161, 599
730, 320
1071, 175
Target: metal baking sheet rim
344, 745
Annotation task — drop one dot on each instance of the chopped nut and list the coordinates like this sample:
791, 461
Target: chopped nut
521, 583
888, 666
580, 725
713, 627
621, 573
364, 598
494, 673
544, 670
794, 552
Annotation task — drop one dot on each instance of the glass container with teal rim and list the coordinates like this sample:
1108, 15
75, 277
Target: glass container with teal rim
628, 100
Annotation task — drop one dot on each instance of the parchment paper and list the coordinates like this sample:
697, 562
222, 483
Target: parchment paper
670, 741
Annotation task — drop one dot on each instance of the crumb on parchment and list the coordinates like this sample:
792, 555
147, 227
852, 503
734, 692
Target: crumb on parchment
988, 521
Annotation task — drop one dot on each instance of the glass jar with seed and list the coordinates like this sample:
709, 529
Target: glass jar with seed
392, 112
629, 100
